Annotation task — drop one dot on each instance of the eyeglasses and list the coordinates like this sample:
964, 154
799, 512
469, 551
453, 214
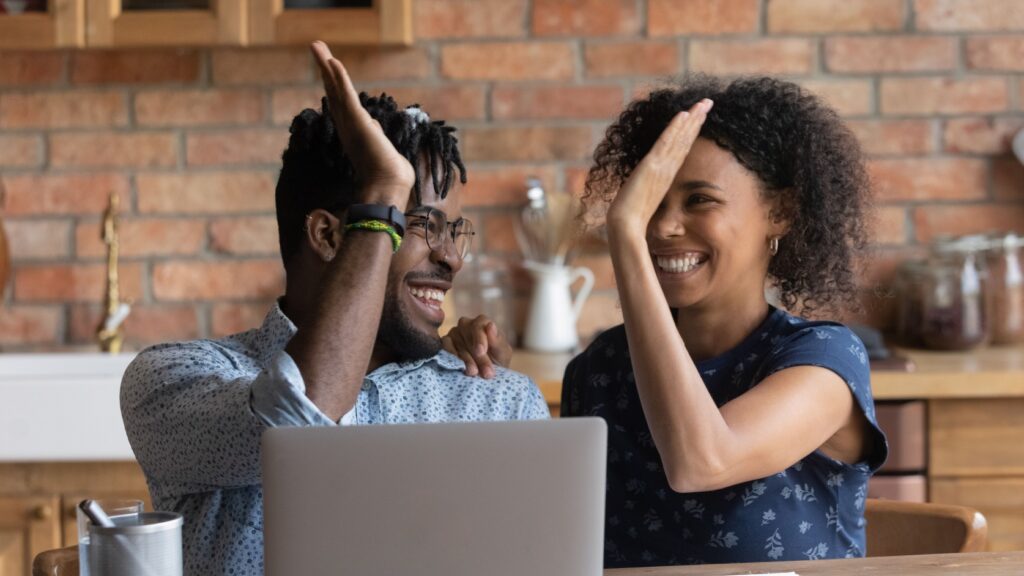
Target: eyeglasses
434, 226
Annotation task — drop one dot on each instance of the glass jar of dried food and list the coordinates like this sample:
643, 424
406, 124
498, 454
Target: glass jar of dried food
1007, 282
955, 306
911, 281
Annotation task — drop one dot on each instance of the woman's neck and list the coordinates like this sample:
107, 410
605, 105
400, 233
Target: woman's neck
711, 331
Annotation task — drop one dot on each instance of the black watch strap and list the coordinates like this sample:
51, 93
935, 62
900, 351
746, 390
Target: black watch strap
390, 214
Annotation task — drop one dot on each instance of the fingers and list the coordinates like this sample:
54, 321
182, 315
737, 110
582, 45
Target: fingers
347, 112
499, 348
675, 141
477, 330
455, 343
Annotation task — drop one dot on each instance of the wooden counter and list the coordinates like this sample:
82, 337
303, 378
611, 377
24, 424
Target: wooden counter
981, 564
984, 373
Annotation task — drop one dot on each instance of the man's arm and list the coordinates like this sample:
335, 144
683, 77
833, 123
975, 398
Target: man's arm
333, 349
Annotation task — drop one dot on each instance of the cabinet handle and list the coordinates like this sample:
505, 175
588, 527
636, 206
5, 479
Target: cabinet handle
42, 512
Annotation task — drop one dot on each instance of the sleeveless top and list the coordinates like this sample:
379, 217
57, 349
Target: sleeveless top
812, 510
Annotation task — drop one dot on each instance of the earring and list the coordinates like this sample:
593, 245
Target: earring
329, 256
305, 226
773, 245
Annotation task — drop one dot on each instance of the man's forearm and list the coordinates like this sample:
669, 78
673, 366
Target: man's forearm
333, 349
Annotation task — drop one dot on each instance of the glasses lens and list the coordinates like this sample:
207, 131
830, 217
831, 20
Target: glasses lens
436, 225
464, 238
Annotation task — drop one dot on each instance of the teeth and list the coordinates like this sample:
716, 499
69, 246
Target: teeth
428, 294
678, 265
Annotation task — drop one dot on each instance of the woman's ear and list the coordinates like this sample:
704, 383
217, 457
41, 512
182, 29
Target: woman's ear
323, 234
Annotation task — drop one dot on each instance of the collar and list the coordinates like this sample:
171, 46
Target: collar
443, 359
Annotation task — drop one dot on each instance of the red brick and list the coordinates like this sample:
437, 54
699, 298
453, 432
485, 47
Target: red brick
135, 67
143, 237
980, 135
469, 18
932, 221
29, 325
968, 15
38, 239
891, 54
508, 61
236, 147
17, 151
927, 96
900, 137
1008, 179
929, 179
996, 53
766, 56
367, 65
585, 18
73, 282
145, 325
198, 107
504, 185
114, 149
847, 97
74, 109
600, 312
553, 102
824, 16
499, 234
262, 66
712, 17
232, 318
890, 226
32, 194
526, 144
255, 235
199, 280
614, 59
31, 68
206, 192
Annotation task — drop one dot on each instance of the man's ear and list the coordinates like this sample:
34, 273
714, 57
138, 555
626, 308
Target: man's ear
323, 233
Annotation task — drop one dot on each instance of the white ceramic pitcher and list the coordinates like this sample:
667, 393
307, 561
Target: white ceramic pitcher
551, 324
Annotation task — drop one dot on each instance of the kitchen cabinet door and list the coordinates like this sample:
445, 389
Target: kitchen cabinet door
28, 525
42, 24
114, 23
359, 22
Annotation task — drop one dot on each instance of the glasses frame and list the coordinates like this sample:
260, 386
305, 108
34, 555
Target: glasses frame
450, 234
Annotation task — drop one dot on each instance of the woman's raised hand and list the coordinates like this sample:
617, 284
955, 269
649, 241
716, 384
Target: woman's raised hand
639, 197
385, 176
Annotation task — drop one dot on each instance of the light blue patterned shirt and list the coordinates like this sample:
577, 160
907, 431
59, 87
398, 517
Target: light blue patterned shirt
194, 412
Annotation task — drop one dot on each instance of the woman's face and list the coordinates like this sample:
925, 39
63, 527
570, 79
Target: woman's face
709, 237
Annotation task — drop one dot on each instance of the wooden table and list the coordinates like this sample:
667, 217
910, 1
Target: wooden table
980, 564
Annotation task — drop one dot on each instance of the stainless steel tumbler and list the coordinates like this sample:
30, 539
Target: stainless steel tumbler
145, 545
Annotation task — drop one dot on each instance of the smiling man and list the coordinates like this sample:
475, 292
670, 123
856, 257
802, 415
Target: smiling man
371, 234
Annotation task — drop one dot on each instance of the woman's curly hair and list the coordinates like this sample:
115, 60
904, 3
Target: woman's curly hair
809, 164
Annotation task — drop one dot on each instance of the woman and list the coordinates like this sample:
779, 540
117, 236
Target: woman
737, 431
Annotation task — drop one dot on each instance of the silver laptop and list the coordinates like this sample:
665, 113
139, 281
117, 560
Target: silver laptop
459, 499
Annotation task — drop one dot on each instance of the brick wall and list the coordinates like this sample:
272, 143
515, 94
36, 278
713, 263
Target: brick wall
191, 139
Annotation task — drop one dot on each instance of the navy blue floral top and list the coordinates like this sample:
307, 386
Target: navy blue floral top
812, 510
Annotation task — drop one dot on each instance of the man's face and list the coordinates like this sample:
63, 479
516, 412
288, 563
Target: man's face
418, 280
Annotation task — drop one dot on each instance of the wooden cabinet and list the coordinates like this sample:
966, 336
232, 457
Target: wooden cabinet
1001, 500
61, 26
120, 23
37, 503
28, 526
223, 22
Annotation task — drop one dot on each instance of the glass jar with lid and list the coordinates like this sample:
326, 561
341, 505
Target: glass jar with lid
1007, 281
955, 306
911, 282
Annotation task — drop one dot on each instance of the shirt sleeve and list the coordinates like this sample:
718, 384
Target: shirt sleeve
836, 348
534, 405
191, 415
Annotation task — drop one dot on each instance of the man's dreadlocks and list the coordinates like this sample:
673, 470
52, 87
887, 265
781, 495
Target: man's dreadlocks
316, 173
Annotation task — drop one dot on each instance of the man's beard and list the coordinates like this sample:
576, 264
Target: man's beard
398, 335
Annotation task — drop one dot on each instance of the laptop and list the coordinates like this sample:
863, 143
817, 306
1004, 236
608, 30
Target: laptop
453, 499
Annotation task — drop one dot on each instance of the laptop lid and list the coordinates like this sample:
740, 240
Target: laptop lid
453, 499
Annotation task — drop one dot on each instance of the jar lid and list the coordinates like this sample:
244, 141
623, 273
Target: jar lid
1008, 241
961, 245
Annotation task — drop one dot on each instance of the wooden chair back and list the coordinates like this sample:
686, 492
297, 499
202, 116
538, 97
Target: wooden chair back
904, 528
59, 562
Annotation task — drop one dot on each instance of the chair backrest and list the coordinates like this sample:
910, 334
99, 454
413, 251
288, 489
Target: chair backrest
903, 528
59, 562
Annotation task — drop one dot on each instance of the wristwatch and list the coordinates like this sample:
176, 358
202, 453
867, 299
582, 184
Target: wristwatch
390, 214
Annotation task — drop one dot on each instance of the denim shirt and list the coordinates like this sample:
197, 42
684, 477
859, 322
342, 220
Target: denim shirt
194, 413
812, 510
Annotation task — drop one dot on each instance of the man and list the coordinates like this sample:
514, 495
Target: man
353, 340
